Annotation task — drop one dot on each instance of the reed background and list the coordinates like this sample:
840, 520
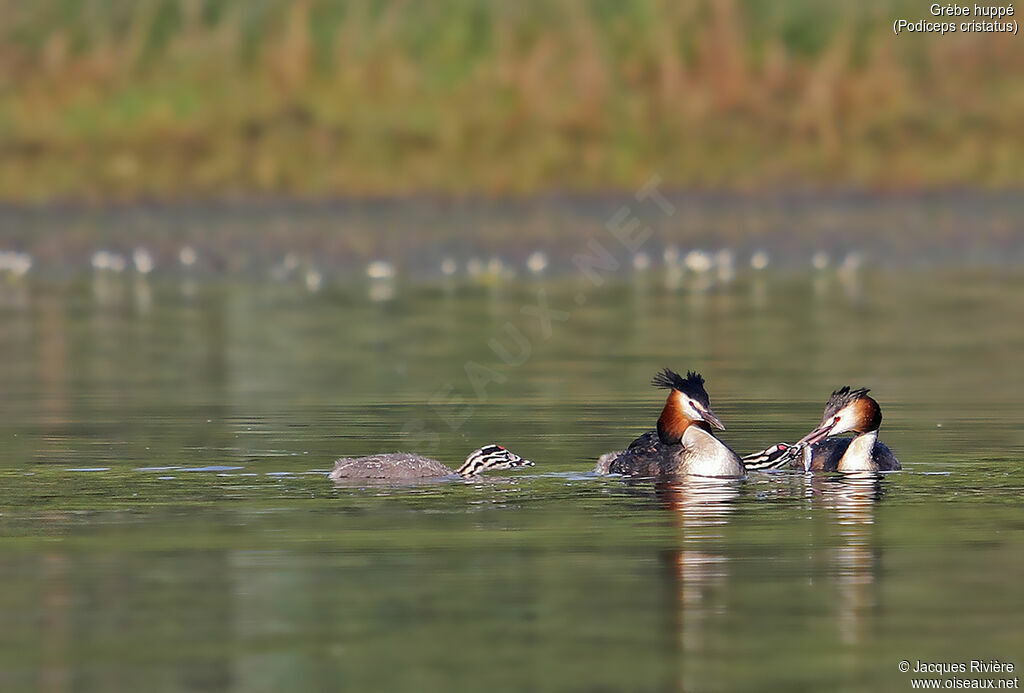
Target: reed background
182, 99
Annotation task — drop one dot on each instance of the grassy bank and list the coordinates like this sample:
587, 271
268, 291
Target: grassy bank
120, 99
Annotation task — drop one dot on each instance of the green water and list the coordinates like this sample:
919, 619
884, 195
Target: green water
166, 523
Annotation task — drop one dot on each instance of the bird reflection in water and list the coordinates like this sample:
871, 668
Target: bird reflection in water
853, 560
701, 508
699, 567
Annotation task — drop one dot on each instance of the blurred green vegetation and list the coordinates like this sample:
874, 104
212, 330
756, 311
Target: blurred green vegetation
115, 99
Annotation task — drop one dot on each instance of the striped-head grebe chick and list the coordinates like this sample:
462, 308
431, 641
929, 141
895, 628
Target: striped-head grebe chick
848, 411
777, 456
683, 443
404, 465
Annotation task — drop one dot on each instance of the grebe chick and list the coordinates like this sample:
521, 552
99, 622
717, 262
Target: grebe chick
683, 443
405, 465
777, 456
848, 411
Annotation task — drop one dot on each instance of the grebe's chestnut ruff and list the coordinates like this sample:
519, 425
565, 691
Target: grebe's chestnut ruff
404, 465
683, 443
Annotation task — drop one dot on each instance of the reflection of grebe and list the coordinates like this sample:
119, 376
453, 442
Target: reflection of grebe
699, 503
701, 508
404, 465
853, 498
683, 444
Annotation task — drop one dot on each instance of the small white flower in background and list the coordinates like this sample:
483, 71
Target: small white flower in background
698, 261
14, 262
819, 260
449, 266
852, 262
313, 280
760, 260
641, 261
187, 256
142, 260
537, 262
106, 260
380, 269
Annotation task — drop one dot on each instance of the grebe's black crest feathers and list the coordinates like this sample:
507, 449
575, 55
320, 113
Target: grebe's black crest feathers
691, 386
842, 397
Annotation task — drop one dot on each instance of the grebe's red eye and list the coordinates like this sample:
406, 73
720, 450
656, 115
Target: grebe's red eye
835, 420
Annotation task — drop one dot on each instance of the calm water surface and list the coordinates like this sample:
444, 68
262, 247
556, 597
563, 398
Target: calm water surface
166, 523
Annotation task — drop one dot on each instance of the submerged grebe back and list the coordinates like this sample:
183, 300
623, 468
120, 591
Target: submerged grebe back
404, 465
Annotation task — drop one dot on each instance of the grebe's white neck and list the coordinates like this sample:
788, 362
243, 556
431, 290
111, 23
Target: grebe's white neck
859, 457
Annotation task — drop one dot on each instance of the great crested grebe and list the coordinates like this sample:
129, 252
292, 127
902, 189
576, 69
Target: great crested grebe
683, 443
848, 411
404, 465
